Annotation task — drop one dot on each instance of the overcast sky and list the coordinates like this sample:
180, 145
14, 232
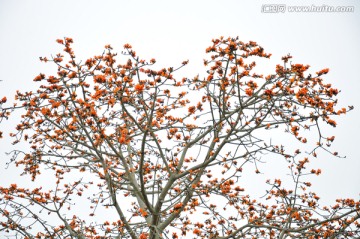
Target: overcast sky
173, 31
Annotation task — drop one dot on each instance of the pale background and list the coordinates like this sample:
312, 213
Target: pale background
173, 31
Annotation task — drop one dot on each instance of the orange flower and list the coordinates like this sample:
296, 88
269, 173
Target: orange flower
295, 130
111, 101
317, 172
331, 122
45, 111
122, 140
191, 109
99, 79
143, 235
55, 104
143, 212
127, 46
178, 206
268, 92
72, 127
249, 91
44, 96
330, 138
301, 93
58, 59
139, 88
252, 84
322, 72
72, 75
39, 77
197, 231
53, 80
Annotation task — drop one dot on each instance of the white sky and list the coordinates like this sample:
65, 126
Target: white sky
173, 31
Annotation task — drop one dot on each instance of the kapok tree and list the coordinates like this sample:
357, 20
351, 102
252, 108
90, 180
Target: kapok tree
132, 152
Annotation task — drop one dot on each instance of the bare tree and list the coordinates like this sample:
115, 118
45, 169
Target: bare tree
160, 155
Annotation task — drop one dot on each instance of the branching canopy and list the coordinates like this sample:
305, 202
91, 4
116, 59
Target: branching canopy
163, 157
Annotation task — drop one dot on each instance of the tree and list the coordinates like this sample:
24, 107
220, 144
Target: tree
163, 158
